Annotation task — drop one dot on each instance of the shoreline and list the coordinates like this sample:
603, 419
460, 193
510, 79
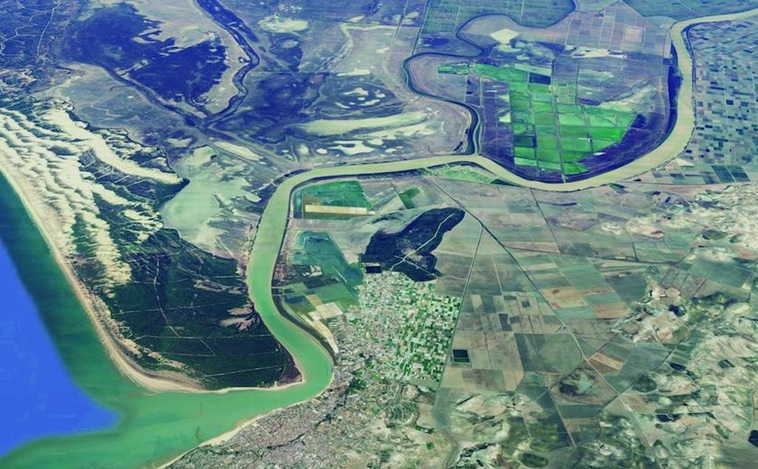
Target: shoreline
125, 365
35, 208
225, 437
174, 384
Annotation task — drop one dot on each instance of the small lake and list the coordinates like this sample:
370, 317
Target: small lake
37, 396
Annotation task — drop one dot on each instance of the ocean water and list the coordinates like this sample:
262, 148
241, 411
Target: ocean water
37, 396
49, 423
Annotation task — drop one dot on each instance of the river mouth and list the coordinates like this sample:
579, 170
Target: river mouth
131, 427
155, 427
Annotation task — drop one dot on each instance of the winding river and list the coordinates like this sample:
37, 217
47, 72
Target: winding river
155, 427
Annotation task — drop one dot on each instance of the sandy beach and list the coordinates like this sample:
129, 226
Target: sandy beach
118, 349
97, 311
223, 438
125, 365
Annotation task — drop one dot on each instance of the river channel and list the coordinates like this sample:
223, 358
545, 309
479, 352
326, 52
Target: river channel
155, 427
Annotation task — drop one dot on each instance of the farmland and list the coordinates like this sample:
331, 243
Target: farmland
571, 307
560, 102
513, 233
550, 129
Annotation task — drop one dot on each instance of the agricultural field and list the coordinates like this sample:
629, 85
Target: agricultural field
332, 200
684, 10
560, 102
471, 322
577, 312
551, 130
318, 273
723, 145
447, 16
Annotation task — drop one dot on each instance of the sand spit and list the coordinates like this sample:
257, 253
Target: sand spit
56, 193
42, 165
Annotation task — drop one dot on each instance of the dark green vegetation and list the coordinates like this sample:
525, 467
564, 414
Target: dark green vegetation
27, 34
406, 197
154, 427
120, 40
560, 329
410, 250
179, 296
175, 305
533, 460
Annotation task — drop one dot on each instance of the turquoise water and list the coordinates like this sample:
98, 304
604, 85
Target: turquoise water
37, 396
151, 428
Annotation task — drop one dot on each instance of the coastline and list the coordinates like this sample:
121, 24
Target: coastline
35, 209
225, 437
117, 355
162, 383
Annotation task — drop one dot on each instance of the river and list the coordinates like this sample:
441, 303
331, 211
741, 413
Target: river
154, 427
151, 428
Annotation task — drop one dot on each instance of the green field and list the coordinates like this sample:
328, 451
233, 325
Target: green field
555, 134
406, 197
316, 248
551, 130
330, 194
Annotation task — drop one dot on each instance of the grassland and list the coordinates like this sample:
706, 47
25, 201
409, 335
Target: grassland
462, 173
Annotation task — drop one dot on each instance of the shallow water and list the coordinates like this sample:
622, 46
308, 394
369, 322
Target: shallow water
152, 427
37, 396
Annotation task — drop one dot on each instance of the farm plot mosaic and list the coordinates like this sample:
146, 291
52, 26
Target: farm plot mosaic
471, 322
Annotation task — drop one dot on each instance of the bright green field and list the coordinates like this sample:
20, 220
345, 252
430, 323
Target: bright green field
564, 131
